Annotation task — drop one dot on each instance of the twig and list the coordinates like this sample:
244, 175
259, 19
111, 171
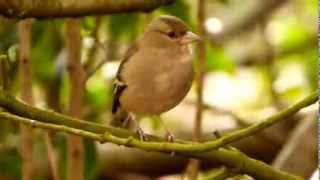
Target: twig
4, 79
26, 95
52, 155
230, 158
76, 76
193, 166
91, 58
18, 108
221, 173
196, 134
300, 148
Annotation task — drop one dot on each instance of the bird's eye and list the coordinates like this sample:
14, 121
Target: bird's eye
171, 34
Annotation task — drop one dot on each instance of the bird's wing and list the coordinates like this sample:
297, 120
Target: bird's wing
119, 84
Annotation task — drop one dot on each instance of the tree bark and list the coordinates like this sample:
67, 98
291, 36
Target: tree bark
71, 8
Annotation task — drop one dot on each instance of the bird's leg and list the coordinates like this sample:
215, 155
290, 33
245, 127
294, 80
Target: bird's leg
139, 131
169, 136
125, 123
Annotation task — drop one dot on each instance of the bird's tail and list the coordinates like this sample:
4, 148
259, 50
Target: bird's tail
120, 118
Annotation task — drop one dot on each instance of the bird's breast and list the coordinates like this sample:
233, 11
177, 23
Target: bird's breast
162, 84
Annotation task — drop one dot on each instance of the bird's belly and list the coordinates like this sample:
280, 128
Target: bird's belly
159, 92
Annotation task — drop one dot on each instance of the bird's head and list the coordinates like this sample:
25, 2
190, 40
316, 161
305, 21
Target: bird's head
169, 30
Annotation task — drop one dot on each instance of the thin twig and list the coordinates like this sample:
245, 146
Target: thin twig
221, 173
4, 65
26, 95
193, 166
196, 134
76, 76
52, 155
300, 148
91, 58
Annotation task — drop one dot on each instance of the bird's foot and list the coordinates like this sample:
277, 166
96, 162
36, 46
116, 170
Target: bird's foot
141, 134
169, 136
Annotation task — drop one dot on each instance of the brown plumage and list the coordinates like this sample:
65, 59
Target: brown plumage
156, 72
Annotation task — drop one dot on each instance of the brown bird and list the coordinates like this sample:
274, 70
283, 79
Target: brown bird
155, 74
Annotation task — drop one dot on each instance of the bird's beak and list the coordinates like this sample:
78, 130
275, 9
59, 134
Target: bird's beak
190, 37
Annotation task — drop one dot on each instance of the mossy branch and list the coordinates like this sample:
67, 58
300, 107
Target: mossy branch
23, 110
35, 117
231, 158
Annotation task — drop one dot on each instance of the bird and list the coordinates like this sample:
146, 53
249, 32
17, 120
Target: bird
155, 73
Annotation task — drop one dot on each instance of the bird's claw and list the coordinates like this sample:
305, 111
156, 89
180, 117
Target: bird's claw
141, 134
169, 137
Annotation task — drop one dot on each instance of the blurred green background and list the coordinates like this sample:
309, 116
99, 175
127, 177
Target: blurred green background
260, 57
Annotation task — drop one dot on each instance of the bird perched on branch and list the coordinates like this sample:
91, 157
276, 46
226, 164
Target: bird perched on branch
155, 74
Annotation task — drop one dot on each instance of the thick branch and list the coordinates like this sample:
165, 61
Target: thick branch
230, 158
24, 110
71, 8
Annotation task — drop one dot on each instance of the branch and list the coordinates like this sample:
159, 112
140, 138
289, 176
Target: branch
192, 170
71, 8
300, 149
230, 158
24, 28
4, 79
219, 174
18, 108
75, 148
